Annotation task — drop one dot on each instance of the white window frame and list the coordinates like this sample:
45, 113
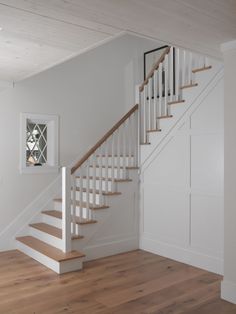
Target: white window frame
52, 121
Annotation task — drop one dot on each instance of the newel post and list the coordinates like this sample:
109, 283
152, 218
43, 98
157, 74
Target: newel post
66, 209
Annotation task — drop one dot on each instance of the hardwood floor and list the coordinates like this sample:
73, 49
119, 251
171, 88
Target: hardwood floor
130, 283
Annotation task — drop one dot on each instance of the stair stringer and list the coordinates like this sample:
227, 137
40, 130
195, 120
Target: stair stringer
179, 111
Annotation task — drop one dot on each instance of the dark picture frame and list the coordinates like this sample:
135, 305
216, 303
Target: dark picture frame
146, 63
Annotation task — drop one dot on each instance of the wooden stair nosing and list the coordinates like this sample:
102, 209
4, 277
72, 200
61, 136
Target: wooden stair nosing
58, 214
109, 179
49, 250
189, 86
202, 69
97, 192
176, 102
122, 180
96, 178
153, 130
109, 155
165, 117
84, 204
110, 167
53, 231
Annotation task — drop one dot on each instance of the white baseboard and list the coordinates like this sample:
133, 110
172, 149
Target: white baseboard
111, 248
228, 291
188, 256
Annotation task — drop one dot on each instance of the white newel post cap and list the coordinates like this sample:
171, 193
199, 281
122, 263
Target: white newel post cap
229, 45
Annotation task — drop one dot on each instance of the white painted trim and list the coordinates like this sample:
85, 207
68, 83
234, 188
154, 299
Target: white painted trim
193, 104
52, 122
184, 255
58, 267
228, 291
111, 248
230, 45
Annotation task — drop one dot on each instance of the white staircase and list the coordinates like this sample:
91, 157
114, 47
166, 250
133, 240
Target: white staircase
93, 195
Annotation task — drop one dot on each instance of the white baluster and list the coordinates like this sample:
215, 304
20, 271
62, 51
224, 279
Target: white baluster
94, 180
73, 204
81, 191
131, 139
144, 114
118, 152
149, 113
190, 68
124, 154
183, 67
100, 174
171, 54
166, 85
112, 162
160, 111
87, 211
155, 100
106, 166
137, 138
177, 73
66, 209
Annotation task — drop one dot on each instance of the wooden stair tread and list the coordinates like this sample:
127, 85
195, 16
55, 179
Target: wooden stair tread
165, 117
115, 167
97, 178
58, 214
153, 130
176, 102
53, 231
202, 69
84, 204
109, 179
97, 191
123, 180
49, 250
189, 85
109, 155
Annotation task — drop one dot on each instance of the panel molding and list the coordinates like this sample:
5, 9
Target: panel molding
183, 255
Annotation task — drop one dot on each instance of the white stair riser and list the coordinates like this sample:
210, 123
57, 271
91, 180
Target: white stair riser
58, 223
128, 161
98, 199
122, 173
97, 184
55, 222
47, 238
58, 267
57, 206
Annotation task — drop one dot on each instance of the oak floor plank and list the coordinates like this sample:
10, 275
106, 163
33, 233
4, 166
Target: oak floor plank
136, 282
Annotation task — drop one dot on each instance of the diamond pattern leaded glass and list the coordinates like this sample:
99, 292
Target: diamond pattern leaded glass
36, 143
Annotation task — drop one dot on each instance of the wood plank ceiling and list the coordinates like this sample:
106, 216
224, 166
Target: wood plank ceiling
37, 34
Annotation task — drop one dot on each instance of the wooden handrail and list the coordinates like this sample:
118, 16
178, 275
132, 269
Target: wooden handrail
154, 68
103, 139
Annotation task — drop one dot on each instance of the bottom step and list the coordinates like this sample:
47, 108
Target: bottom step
50, 256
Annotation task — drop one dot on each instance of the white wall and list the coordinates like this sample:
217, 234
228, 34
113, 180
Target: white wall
229, 283
89, 93
182, 188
